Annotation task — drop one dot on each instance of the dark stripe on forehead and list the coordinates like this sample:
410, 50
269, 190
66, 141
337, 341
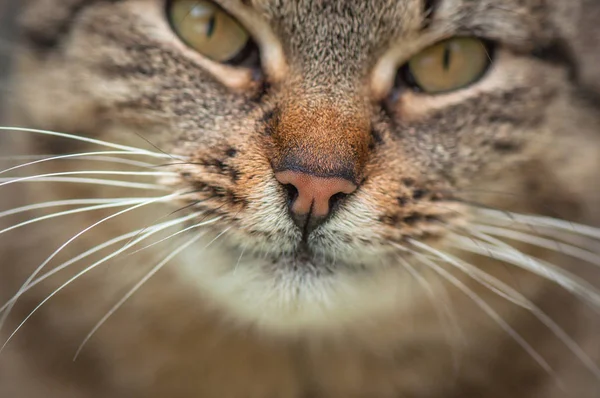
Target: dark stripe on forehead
46, 22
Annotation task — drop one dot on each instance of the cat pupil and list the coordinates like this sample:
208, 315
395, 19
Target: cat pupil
210, 29
447, 57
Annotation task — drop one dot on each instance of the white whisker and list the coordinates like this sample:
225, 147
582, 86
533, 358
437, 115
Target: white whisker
56, 291
485, 307
71, 156
541, 221
502, 289
25, 157
563, 235
105, 182
37, 271
560, 247
112, 159
551, 272
149, 231
239, 261
445, 315
138, 285
91, 141
6, 181
111, 204
60, 203
195, 226
481, 277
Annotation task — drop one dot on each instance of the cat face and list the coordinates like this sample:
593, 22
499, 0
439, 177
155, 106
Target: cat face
323, 138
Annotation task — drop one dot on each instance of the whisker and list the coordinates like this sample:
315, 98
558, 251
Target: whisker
551, 210
138, 285
73, 156
480, 276
38, 270
11, 180
549, 244
237, 264
445, 315
99, 158
548, 273
111, 204
504, 290
194, 203
105, 182
551, 272
115, 160
154, 145
91, 141
56, 291
484, 306
543, 221
26, 157
60, 203
483, 279
149, 232
555, 234
195, 226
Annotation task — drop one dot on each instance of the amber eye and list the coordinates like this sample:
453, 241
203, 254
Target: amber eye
449, 65
208, 29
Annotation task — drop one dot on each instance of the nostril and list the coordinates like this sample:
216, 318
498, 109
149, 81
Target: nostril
336, 200
292, 193
313, 194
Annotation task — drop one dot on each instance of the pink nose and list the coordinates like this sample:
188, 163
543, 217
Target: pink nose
314, 193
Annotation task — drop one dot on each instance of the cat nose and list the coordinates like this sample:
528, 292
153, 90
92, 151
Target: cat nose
312, 197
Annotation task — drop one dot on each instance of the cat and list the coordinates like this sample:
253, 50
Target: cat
301, 198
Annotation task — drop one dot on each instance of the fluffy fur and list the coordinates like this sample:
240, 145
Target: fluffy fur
364, 306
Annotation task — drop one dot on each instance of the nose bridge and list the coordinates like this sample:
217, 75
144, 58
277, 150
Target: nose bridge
322, 137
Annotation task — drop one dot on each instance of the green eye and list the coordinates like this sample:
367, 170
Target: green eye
208, 29
449, 65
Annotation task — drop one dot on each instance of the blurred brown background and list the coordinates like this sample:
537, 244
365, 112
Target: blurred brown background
7, 37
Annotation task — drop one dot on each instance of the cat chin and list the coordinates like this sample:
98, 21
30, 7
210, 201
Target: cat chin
284, 299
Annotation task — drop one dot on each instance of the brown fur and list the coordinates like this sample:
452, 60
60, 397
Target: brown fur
248, 317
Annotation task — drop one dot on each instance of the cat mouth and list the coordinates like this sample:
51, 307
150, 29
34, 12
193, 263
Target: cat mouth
306, 259
304, 255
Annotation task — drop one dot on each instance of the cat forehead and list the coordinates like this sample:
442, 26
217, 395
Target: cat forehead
348, 24
341, 17
341, 30
377, 18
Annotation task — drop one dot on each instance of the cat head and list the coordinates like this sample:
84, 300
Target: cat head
325, 138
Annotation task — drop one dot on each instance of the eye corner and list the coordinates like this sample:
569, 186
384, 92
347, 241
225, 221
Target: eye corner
406, 80
248, 57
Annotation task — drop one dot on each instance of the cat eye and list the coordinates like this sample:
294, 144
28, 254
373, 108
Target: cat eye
449, 65
210, 30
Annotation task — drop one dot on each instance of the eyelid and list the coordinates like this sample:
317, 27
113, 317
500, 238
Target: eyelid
230, 76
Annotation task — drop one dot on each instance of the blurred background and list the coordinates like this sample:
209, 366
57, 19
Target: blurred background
7, 37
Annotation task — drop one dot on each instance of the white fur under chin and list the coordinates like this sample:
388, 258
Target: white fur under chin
287, 301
